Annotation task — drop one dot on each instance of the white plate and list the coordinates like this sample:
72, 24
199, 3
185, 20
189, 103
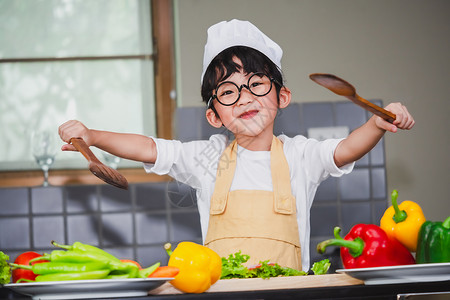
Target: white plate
401, 274
87, 289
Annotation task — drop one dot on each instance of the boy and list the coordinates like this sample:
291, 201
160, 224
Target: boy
253, 193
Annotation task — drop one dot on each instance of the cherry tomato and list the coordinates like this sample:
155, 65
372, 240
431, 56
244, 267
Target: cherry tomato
24, 259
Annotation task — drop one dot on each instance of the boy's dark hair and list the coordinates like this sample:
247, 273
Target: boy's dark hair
223, 66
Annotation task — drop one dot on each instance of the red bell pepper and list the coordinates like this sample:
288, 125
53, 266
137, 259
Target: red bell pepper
367, 246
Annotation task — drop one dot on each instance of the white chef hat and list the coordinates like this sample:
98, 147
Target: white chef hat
225, 34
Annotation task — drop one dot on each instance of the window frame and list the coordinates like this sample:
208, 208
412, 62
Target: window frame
163, 57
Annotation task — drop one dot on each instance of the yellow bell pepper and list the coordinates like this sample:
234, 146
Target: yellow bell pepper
200, 267
403, 221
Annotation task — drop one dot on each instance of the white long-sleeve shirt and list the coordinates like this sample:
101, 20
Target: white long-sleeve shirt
195, 164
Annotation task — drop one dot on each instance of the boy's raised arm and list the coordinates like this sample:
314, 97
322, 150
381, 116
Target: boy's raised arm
363, 139
125, 145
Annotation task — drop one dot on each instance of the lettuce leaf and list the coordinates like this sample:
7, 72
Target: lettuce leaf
5, 269
321, 267
232, 267
267, 270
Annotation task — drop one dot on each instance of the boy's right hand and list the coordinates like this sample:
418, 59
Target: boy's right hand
71, 129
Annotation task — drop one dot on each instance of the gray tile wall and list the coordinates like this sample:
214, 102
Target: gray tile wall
132, 224
135, 224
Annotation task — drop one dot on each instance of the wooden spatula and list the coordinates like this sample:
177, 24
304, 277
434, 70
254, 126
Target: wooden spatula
343, 88
97, 168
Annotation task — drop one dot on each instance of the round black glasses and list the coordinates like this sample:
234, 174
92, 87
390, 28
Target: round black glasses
228, 93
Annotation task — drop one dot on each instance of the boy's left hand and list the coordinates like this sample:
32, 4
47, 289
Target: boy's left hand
403, 119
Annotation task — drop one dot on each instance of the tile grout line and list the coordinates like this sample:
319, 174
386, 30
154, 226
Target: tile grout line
30, 217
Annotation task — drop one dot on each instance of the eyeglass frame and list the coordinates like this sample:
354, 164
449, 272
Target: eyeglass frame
272, 80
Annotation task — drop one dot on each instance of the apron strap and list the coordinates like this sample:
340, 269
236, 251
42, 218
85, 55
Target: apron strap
284, 201
224, 178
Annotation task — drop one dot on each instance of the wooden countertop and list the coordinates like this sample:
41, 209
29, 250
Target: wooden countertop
274, 283
333, 286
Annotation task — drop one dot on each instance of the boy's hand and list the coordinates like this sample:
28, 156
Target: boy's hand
71, 129
403, 119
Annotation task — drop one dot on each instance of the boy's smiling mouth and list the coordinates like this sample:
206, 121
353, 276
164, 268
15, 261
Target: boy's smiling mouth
249, 114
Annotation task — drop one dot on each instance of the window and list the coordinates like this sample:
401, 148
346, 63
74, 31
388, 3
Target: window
90, 60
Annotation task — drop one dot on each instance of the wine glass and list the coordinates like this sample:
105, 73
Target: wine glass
43, 143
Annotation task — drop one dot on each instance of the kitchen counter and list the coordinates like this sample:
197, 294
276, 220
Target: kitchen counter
330, 286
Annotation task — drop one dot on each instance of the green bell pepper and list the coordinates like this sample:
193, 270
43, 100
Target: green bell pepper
433, 245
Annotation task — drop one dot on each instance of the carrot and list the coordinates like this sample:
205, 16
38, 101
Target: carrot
165, 271
131, 261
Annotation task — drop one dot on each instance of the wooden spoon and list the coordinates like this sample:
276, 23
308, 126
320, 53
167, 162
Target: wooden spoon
97, 168
343, 88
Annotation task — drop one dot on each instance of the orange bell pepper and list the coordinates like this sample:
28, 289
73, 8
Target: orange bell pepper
200, 267
403, 221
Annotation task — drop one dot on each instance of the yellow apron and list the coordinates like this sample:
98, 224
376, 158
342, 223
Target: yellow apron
262, 224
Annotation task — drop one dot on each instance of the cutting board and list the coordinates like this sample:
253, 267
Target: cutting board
274, 283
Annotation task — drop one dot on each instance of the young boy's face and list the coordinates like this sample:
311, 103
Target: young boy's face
251, 115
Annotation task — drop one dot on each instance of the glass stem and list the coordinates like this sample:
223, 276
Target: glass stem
45, 176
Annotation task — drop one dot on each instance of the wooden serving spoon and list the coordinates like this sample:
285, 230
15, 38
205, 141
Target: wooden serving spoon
97, 168
343, 88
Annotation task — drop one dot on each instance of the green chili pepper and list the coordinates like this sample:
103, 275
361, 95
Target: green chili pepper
85, 248
79, 253
144, 273
128, 270
55, 267
433, 245
98, 274
72, 257
115, 265
24, 280
133, 272
121, 276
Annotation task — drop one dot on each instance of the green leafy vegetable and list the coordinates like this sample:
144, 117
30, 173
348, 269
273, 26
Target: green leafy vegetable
233, 268
267, 270
321, 267
5, 269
